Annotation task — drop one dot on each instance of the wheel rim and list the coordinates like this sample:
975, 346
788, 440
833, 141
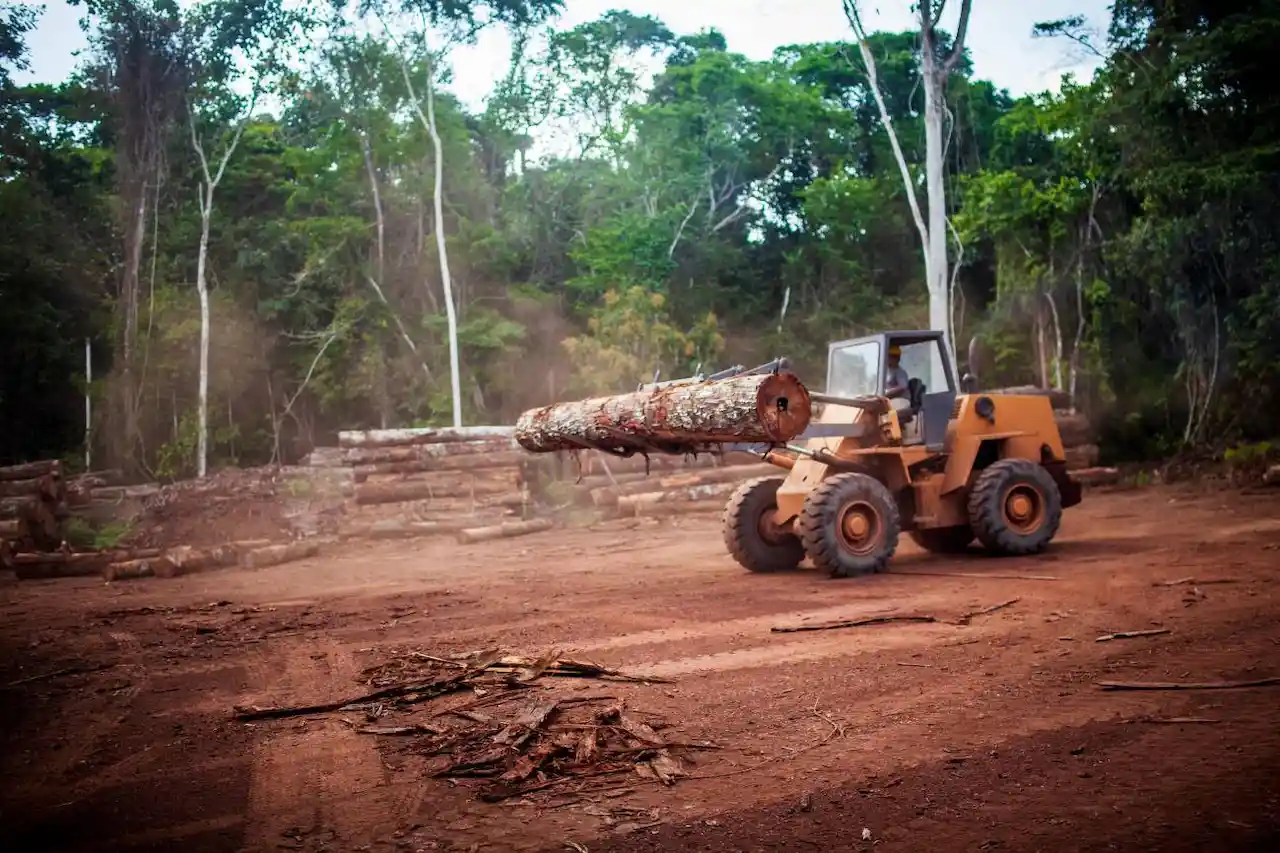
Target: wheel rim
1024, 509
859, 528
768, 529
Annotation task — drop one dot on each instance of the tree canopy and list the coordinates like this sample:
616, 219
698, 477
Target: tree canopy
1118, 238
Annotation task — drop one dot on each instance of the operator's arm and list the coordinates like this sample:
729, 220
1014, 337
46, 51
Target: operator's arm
897, 385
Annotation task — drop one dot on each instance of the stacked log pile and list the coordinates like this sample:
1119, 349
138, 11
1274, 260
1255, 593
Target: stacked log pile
439, 481
33, 504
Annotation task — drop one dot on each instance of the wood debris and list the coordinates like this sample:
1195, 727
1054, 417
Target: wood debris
1183, 685
527, 739
849, 623
966, 618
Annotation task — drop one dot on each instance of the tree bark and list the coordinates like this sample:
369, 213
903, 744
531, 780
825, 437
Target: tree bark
427, 466
387, 493
610, 495
427, 452
506, 530
1082, 457
29, 470
152, 567
38, 487
642, 504
274, 555
350, 439
677, 418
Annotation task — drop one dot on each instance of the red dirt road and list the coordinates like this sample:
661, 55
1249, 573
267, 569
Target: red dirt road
117, 733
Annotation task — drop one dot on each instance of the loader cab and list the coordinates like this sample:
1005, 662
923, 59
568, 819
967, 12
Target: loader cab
856, 368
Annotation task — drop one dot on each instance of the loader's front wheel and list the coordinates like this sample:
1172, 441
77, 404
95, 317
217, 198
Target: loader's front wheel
1015, 507
850, 525
751, 535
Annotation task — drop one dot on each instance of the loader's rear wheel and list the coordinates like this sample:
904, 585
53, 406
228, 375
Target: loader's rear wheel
1015, 507
850, 525
751, 535
944, 540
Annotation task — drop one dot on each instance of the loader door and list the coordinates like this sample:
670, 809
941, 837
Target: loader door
925, 359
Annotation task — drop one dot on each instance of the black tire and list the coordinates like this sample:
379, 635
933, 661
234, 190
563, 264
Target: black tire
1001, 526
746, 531
944, 540
824, 529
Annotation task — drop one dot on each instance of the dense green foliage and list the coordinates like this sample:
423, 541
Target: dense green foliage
1118, 239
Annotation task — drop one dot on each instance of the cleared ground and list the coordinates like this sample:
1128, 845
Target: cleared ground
991, 735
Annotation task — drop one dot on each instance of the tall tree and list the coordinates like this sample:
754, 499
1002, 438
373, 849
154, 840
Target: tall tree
935, 70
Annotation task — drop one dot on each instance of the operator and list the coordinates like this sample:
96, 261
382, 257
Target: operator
895, 377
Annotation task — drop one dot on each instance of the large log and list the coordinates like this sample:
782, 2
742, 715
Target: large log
430, 435
427, 452
681, 508
31, 469
642, 504
506, 530
158, 567
767, 407
57, 564
45, 487
1082, 456
13, 528
1272, 477
389, 493
1074, 428
464, 462
609, 495
396, 528
274, 555
1096, 476
1059, 399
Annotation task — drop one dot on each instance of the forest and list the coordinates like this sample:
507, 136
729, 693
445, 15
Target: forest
275, 220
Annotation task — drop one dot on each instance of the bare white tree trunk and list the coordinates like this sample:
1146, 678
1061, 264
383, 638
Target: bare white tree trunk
935, 73
208, 185
428, 121
455, 380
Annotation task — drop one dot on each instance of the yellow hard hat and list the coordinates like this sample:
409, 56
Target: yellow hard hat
895, 350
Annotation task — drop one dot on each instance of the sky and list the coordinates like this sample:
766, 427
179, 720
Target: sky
999, 42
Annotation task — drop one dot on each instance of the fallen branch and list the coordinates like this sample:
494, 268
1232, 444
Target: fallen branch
1176, 720
1189, 685
1129, 635
849, 623
1191, 580
964, 620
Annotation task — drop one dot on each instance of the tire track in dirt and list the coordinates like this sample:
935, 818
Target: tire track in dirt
315, 782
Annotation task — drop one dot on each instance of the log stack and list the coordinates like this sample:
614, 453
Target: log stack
435, 481
33, 504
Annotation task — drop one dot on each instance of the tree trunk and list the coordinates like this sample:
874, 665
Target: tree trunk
388, 493
274, 555
935, 80
202, 288
635, 504
427, 452
770, 407
351, 439
31, 469
506, 530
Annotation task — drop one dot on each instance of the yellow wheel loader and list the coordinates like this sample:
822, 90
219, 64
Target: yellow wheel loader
900, 454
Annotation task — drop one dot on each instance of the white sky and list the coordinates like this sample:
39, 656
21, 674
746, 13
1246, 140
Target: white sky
999, 41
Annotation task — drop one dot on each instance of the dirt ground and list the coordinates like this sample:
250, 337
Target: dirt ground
116, 704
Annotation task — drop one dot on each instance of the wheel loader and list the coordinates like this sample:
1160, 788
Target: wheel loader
942, 465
